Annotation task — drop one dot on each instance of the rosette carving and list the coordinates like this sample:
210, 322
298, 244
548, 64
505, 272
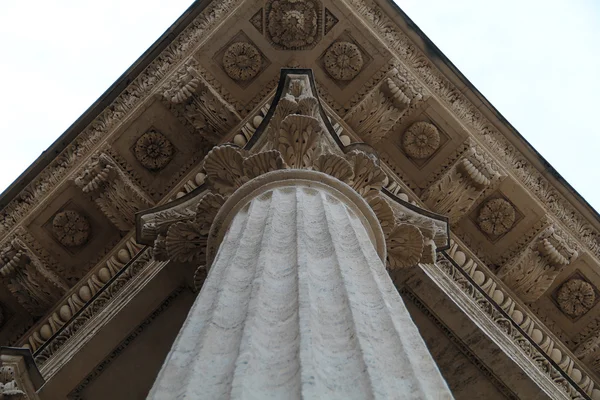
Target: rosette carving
153, 150
421, 140
496, 217
71, 228
242, 61
343, 61
576, 297
293, 24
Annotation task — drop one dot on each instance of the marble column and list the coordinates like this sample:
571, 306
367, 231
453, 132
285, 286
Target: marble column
298, 304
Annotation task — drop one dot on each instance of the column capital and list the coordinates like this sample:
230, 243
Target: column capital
294, 141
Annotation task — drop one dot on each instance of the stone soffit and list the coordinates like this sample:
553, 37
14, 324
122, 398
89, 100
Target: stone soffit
432, 114
409, 44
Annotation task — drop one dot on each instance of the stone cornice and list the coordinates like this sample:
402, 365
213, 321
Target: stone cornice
67, 341
518, 163
496, 324
148, 83
117, 351
471, 276
109, 96
456, 341
97, 279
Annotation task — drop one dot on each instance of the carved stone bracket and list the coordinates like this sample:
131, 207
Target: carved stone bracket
19, 377
379, 111
191, 96
297, 137
114, 193
457, 190
35, 287
532, 272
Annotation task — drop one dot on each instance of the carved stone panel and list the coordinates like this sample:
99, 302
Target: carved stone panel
294, 24
71, 233
534, 270
35, 287
376, 115
241, 60
461, 186
116, 195
157, 148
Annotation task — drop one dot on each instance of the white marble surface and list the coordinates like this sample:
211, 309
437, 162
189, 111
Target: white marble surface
298, 305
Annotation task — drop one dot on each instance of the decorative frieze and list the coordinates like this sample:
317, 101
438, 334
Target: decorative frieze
114, 193
420, 66
459, 188
80, 294
516, 321
34, 286
534, 270
379, 111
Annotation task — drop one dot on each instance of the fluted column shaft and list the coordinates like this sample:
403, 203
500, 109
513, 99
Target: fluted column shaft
298, 305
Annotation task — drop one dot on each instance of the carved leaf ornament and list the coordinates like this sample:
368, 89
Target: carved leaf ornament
297, 141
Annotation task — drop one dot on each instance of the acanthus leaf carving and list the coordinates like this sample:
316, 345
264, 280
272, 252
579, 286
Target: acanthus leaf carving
405, 246
224, 169
114, 193
298, 140
368, 177
384, 213
185, 242
206, 211
202, 107
242, 61
458, 189
34, 286
263, 162
334, 165
533, 272
379, 111
295, 138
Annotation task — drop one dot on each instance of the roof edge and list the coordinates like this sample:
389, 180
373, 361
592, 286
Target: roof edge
546, 169
102, 102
